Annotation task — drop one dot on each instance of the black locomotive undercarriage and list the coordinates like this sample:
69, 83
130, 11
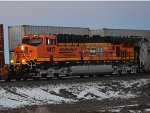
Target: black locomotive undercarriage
63, 69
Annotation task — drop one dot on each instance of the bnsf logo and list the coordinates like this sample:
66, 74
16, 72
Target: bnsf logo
68, 49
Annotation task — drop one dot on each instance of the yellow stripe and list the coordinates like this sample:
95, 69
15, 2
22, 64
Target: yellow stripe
43, 59
67, 59
85, 58
78, 59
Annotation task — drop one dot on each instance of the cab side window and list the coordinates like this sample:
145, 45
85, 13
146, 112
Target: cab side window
49, 41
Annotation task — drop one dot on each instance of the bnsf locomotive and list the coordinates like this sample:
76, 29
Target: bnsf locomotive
42, 55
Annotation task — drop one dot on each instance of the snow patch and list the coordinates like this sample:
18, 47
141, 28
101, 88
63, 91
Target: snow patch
50, 94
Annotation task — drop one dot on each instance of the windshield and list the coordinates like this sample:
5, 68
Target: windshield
36, 41
32, 41
26, 41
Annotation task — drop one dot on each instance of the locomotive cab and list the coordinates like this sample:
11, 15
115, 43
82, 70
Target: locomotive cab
34, 48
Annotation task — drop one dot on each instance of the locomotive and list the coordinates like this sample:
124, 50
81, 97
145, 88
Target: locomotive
47, 55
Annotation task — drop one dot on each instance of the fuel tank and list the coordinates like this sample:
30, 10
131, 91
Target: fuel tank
91, 70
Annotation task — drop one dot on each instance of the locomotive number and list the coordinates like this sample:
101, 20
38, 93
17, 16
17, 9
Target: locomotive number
50, 49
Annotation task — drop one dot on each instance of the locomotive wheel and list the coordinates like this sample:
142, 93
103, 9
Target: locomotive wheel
81, 76
19, 75
91, 76
26, 75
36, 79
57, 75
11, 73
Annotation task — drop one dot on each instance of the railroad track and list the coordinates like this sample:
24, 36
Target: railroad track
78, 78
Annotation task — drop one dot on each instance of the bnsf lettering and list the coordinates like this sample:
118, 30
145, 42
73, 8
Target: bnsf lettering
50, 49
68, 49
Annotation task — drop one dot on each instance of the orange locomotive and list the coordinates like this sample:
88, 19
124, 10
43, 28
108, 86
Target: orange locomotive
42, 55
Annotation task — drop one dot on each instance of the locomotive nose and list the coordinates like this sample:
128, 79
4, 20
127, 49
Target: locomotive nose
20, 53
24, 48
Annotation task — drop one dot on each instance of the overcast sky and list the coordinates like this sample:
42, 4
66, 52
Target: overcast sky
95, 15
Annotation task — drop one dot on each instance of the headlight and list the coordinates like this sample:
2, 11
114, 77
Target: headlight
23, 61
12, 61
22, 48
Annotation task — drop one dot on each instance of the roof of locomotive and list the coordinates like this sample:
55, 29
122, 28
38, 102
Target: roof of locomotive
98, 39
39, 36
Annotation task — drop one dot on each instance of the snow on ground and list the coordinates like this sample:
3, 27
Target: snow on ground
135, 82
118, 109
13, 97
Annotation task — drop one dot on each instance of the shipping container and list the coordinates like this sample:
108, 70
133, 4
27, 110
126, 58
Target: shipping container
16, 33
1, 46
120, 32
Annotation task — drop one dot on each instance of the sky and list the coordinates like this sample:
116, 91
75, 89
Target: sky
91, 14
